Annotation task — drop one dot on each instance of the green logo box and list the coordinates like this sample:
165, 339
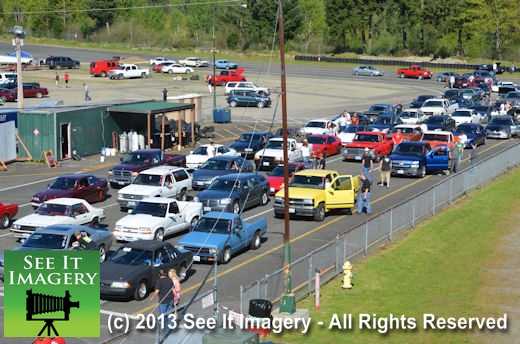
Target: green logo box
51, 293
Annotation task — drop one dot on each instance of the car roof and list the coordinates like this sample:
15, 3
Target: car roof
66, 200
75, 175
158, 200
161, 169
221, 215
315, 172
237, 176
62, 229
223, 157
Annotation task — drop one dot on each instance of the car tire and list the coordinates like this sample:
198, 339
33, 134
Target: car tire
260, 105
257, 241
141, 291
103, 74
357, 73
402, 76
193, 222
58, 66
182, 195
264, 199
182, 273
38, 95
226, 256
94, 223
187, 71
223, 83
170, 71
422, 173
320, 213
3, 99
159, 235
233, 103
120, 77
101, 196
420, 77
5, 221
235, 207
102, 253
143, 75
371, 74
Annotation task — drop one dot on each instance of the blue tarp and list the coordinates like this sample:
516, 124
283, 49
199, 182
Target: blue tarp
22, 54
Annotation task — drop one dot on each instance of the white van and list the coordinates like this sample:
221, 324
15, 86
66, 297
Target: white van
4, 76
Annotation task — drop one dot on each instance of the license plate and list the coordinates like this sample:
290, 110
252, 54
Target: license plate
357, 158
265, 163
271, 189
131, 204
207, 208
400, 172
196, 258
121, 183
200, 183
292, 211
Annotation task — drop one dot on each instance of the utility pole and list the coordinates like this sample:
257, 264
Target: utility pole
19, 35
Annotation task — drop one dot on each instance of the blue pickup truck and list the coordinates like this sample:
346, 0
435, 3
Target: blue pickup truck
219, 235
416, 158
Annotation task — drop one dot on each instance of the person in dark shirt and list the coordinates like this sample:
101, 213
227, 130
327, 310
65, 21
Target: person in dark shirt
83, 242
364, 195
368, 164
163, 289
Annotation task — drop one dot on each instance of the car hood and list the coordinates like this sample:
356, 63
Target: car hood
207, 174
44, 220
52, 193
203, 239
127, 167
242, 145
301, 192
111, 271
395, 156
269, 152
217, 194
138, 220
135, 189
196, 158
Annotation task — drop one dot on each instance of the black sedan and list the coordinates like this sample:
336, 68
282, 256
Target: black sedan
441, 122
248, 98
80, 185
475, 133
235, 192
218, 166
131, 272
418, 102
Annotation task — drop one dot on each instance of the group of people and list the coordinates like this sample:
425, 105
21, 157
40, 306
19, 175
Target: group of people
65, 77
315, 160
346, 120
168, 289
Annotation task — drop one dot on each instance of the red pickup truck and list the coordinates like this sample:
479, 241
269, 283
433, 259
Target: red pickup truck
377, 142
226, 76
140, 160
414, 72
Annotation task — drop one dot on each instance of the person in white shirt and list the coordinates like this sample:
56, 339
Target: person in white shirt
211, 150
306, 150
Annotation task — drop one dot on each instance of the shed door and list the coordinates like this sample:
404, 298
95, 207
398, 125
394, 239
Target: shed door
65, 140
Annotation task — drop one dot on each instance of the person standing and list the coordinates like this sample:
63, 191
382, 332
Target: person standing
211, 150
87, 95
163, 289
210, 85
306, 151
354, 120
398, 108
342, 122
57, 80
385, 166
397, 138
164, 94
176, 291
66, 78
364, 195
460, 152
452, 81
473, 159
368, 164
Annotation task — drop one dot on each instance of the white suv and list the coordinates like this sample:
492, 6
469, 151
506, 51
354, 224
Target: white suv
246, 86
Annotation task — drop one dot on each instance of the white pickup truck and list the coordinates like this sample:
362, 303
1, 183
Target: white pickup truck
438, 106
128, 71
155, 217
269, 157
159, 181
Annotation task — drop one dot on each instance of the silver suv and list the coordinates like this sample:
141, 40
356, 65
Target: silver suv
246, 86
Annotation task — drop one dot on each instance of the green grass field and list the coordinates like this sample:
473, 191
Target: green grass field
442, 267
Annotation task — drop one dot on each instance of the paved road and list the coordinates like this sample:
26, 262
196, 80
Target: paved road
323, 93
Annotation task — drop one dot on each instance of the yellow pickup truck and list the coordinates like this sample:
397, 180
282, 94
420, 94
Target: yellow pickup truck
315, 192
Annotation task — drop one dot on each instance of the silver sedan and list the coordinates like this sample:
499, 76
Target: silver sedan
367, 70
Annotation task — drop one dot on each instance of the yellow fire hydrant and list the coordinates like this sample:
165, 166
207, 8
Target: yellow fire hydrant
347, 275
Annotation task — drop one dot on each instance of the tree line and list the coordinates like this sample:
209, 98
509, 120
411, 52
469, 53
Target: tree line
486, 29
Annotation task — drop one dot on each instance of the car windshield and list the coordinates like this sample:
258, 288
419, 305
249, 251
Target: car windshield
202, 150
423, 98
367, 138
46, 241
318, 140
513, 95
500, 121
249, 138
461, 114
225, 185
278, 171
434, 120
275, 144
131, 256
214, 164
315, 124
408, 114
406, 130
377, 108
148, 179
309, 182
213, 225
383, 120
354, 129
468, 129
409, 149
63, 184
154, 209
435, 137
135, 158
433, 104
53, 209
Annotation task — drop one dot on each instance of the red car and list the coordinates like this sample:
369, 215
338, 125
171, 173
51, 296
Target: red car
158, 67
82, 185
7, 212
33, 91
7, 95
328, 144
275, 177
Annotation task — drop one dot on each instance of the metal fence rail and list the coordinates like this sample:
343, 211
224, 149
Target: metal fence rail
361, 239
